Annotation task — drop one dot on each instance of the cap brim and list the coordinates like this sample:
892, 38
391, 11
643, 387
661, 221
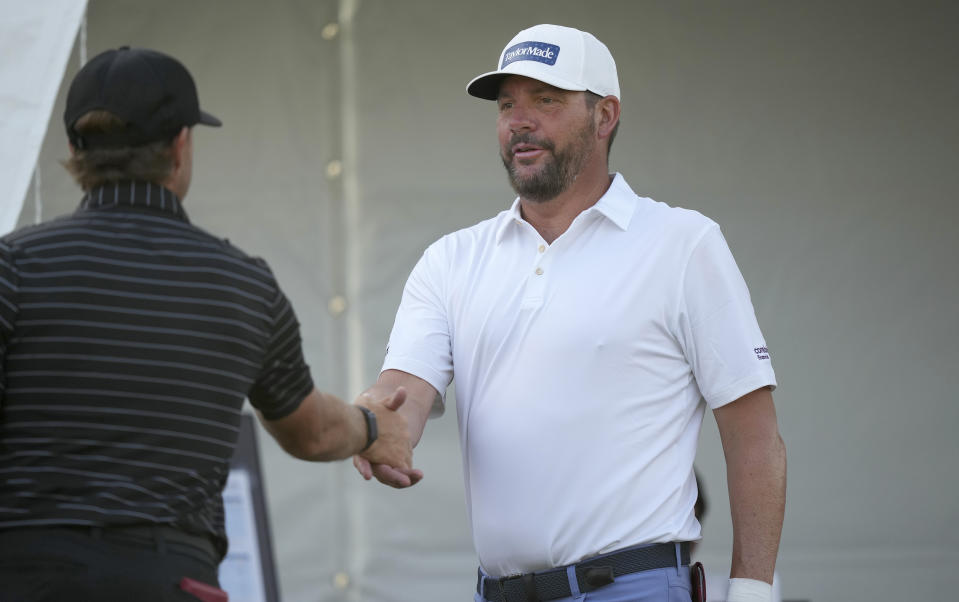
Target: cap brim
207, 119
486, 86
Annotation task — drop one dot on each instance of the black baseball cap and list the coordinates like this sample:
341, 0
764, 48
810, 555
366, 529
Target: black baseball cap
152, 92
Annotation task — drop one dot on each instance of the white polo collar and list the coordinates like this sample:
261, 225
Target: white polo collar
618, 205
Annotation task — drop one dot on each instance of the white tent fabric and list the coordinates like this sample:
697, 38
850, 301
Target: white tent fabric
35, 42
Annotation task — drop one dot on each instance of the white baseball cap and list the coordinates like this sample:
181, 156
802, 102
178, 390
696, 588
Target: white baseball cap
564, 57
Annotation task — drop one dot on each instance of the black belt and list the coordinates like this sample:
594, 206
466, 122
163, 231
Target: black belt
591, 574
149, 536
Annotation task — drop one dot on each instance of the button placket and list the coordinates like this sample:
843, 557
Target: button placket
536, 283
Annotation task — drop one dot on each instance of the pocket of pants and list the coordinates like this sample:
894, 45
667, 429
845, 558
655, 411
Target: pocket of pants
680, 588
37, 579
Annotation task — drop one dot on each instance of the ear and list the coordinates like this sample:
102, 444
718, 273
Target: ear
607, 116
179, 146
73, 150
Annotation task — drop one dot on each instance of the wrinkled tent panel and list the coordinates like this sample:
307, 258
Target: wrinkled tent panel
35, 43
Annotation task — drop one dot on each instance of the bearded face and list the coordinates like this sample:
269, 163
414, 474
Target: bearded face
551, 169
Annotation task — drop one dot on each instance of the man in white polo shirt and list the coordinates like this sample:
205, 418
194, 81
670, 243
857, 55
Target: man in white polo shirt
587, 329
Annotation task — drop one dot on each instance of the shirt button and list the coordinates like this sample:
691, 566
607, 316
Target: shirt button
542, 248
539, 271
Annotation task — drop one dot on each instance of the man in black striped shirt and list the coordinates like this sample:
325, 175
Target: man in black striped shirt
129, 339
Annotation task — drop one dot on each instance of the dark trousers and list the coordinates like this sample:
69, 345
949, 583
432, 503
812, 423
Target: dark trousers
90, 564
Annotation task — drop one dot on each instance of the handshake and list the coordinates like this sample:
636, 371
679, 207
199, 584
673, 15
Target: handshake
390, 457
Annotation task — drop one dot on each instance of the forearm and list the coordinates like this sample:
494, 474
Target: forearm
343, 432
322, 428
756, 473
420, 398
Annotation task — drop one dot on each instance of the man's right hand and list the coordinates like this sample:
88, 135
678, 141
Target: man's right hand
419, 397
397, 477
392, 447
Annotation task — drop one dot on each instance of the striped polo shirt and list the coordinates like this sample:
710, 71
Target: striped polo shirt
129, 339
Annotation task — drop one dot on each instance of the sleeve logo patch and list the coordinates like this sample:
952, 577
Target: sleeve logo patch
762, 353
531, 51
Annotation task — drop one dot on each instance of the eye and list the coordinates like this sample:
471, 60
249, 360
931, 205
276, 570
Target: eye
547, 100
505, 105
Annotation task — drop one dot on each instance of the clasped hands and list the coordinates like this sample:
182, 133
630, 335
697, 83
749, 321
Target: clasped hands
390, 458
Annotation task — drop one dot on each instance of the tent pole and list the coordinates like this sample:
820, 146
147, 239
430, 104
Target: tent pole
83, 39
37, 199
358, 529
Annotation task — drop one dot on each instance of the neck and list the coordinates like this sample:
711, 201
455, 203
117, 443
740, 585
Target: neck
553, 217
176, 186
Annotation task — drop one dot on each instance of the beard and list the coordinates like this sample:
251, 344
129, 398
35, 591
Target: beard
560, 168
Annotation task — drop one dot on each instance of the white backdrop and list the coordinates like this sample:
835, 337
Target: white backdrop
35, 42
821, 135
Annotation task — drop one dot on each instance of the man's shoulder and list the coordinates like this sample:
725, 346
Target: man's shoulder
23, 235
670, 212
188, 237
475, 235
231, 251
649, 214
226, 246
678, 221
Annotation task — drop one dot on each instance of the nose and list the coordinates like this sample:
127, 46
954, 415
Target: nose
521, 119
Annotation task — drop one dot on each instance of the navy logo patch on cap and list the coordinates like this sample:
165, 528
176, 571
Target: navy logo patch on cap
531, 51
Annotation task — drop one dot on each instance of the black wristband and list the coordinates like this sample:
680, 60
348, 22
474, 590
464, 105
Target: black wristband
371, 432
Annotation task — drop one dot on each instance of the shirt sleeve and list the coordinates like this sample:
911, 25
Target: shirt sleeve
420, 343
284, 380
718, 328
